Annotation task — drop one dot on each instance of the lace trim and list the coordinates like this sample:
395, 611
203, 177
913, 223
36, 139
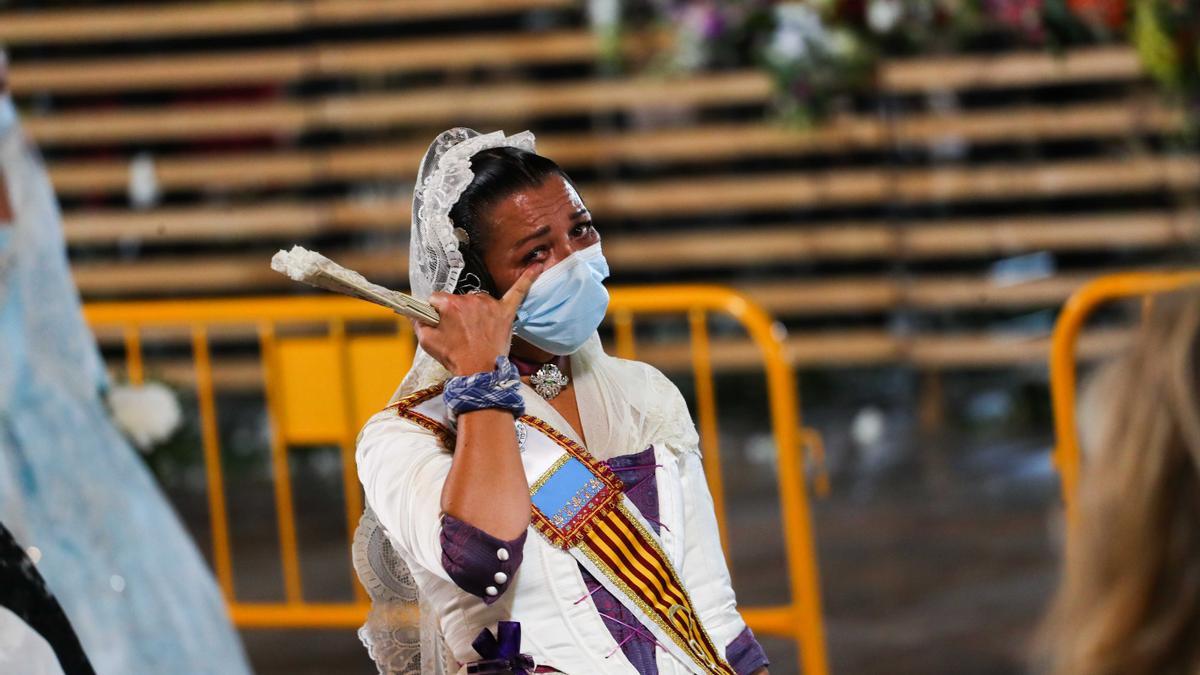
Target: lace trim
392, 631
435, 261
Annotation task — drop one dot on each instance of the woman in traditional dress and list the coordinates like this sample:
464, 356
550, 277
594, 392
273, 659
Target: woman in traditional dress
531, 484
71, 488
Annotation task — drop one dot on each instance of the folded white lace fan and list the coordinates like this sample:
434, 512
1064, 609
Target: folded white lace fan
314, 269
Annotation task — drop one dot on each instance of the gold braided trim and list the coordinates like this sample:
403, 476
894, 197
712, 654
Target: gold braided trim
669, 629
418, 397
558, 464
598, 468
404, 408
614, 488
648, 539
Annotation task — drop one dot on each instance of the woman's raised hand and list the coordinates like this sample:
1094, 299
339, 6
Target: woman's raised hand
474, 329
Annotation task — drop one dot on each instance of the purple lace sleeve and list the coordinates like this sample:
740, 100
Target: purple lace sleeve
479, 563
745, 654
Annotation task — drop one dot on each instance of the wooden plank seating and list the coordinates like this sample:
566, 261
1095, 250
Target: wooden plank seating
510, 101
225, 273
722, 249
854, 295
142, 22
202, 224
334, 12
962, 238
297, 220
221, 273
397, 160
708, 142
1077, 232
264, 66
675, 198
415, 107
1011, 70
348, 59
505, 102
269, 119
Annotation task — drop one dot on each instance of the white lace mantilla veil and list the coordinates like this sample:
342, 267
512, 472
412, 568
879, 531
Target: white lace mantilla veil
624, 406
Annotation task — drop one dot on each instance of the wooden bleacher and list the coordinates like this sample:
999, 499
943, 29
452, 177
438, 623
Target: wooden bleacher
313, 137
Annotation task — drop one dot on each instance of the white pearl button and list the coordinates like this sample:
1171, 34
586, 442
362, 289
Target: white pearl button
500, 577
491, 590
502, 554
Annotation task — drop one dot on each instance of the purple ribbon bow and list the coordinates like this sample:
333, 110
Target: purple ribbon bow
501, 652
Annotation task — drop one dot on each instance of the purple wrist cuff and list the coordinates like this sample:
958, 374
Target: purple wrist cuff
745, 654
477, 562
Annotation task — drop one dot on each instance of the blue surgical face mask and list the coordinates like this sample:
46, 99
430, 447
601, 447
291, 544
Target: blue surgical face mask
566, 304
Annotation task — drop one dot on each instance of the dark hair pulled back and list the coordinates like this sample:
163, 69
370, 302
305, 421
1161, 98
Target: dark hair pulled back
499, 173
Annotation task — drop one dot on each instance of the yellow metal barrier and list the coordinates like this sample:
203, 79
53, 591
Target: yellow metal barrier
319, 390
1063, 383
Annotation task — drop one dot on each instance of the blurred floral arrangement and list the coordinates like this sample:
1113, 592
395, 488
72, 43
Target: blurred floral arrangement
148, 414
821, 53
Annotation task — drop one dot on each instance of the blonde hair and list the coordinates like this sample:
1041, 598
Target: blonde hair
1129, 601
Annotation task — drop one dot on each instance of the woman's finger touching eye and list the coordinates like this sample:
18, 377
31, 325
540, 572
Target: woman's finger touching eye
537, 255
582, 232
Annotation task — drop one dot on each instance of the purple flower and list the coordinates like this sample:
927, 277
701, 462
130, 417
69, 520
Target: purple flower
713, 23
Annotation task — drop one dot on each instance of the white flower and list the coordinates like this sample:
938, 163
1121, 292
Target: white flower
148, 414
143, 188
788, 45
604, 14
883, 15
799, 33
868, 427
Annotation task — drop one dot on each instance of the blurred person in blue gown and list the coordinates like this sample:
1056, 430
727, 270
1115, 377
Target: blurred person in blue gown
72, 489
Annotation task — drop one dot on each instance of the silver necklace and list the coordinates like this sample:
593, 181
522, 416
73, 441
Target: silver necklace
549, 381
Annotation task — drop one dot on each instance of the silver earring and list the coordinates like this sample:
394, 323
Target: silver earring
471, 283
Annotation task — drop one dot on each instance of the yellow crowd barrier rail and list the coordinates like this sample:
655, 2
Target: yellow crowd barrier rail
320, 388
1063, 379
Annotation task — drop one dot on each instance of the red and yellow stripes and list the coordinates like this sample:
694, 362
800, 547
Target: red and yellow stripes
626, 553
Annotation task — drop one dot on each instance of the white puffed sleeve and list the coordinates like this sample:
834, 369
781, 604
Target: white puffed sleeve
402, 468
704, 571
702, 567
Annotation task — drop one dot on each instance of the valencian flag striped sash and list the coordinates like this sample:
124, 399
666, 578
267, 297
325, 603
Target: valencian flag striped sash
580, 507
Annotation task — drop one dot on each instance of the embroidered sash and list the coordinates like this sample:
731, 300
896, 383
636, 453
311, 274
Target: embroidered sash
580, 507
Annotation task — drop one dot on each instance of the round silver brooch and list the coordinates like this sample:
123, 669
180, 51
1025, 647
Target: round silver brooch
549, 381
